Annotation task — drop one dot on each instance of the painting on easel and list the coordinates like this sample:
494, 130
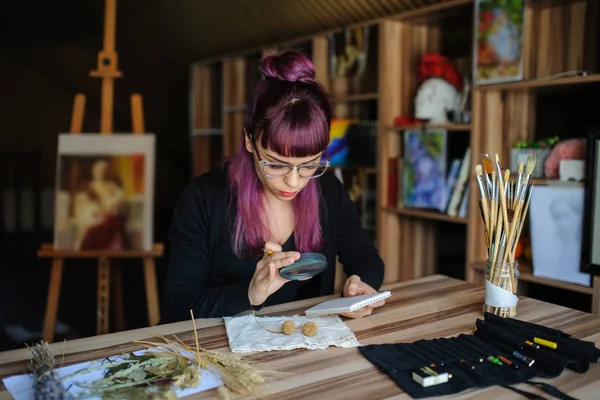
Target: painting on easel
104, 192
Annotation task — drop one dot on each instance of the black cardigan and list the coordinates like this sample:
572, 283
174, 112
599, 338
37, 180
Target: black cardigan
205, 276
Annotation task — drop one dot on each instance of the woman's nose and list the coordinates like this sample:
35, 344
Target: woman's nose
292, 178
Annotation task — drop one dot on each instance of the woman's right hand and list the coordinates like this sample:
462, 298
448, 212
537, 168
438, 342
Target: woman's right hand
266, 279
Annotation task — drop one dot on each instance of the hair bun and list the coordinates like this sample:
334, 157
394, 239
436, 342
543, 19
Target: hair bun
291, 66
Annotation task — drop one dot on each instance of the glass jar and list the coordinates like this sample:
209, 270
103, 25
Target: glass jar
501, 281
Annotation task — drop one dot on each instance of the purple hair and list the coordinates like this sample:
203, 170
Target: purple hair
290, 114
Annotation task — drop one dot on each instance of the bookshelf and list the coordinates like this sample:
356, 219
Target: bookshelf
560, 36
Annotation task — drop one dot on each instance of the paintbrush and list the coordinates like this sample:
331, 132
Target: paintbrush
488, 169
493, 214
483, 204
498, 234
493, 209
521, 223
518, 188
531, 160
503, 204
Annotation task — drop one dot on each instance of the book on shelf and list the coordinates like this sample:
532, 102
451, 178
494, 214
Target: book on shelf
460, 191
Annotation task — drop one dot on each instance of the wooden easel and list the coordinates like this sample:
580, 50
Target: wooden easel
107, 70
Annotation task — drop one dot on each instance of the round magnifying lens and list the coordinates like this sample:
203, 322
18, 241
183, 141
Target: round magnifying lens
308, 265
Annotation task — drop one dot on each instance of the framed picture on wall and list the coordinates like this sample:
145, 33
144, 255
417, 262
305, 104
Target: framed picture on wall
590, 246
104, 192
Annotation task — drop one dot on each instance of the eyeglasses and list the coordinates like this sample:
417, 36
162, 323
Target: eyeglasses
279, 170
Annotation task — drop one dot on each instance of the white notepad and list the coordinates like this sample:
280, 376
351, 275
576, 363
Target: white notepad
346, 304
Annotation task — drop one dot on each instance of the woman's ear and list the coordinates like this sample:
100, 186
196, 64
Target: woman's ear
248, 142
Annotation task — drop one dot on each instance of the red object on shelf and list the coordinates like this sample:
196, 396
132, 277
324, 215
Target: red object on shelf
434, 65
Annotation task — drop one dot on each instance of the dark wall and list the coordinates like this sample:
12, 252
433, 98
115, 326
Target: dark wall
39, 77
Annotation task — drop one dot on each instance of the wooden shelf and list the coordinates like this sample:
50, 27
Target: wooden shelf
434, 11
448, 127
368, 170
351, 98
424, 214
541, 83
549, 182
47, 251
526, 275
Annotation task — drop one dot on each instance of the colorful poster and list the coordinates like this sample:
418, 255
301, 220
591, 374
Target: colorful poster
498, 53
424, 170
104, 192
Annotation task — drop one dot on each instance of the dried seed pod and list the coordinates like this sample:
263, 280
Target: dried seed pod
309, 329
288, 327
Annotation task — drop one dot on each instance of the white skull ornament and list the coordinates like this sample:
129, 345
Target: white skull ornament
435, 98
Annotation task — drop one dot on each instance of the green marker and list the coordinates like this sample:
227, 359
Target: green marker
494, 360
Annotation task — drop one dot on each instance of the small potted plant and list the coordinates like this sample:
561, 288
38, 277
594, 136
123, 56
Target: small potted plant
538, 148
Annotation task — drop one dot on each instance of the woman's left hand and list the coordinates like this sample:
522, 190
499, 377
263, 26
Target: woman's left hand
355, 287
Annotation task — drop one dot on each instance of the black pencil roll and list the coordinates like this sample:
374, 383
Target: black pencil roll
581, 353
494, 336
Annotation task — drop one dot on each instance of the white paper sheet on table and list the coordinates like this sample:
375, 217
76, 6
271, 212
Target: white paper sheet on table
246, 335
21, 386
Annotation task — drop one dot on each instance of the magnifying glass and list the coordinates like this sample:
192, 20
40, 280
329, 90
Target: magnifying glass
308, 265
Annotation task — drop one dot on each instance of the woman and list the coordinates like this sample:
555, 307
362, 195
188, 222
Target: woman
273, 195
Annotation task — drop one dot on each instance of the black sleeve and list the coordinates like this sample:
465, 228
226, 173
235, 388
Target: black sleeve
356, 250
188, 286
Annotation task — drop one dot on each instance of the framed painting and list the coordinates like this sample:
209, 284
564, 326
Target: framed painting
424, 169
104, 192
498, 41
590, 243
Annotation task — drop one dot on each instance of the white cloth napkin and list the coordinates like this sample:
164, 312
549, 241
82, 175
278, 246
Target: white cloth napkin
245, 335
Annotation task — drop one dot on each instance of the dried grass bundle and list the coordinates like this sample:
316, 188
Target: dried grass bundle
47, 384
166, 365
239, 376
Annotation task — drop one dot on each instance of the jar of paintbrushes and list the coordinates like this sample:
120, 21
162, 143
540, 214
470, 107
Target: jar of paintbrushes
504, 203
501, 281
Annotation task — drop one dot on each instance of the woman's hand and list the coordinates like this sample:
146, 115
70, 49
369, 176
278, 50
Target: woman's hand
266, 279
355, 287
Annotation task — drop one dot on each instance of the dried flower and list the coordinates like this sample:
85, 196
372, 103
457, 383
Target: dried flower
309, 329
288, 327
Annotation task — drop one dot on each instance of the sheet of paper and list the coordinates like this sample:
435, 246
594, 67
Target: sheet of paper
21, 386
556, 215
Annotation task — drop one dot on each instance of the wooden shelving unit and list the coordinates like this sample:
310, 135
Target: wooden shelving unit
560, 36
510, 112
205, 116
538, 83
407, 238
424, 214
447, 127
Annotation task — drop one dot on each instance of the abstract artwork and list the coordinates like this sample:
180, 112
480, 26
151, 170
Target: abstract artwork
424, 170
498, 53
348, 52
104, 192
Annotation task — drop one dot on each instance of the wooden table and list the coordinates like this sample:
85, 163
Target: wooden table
425, 308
